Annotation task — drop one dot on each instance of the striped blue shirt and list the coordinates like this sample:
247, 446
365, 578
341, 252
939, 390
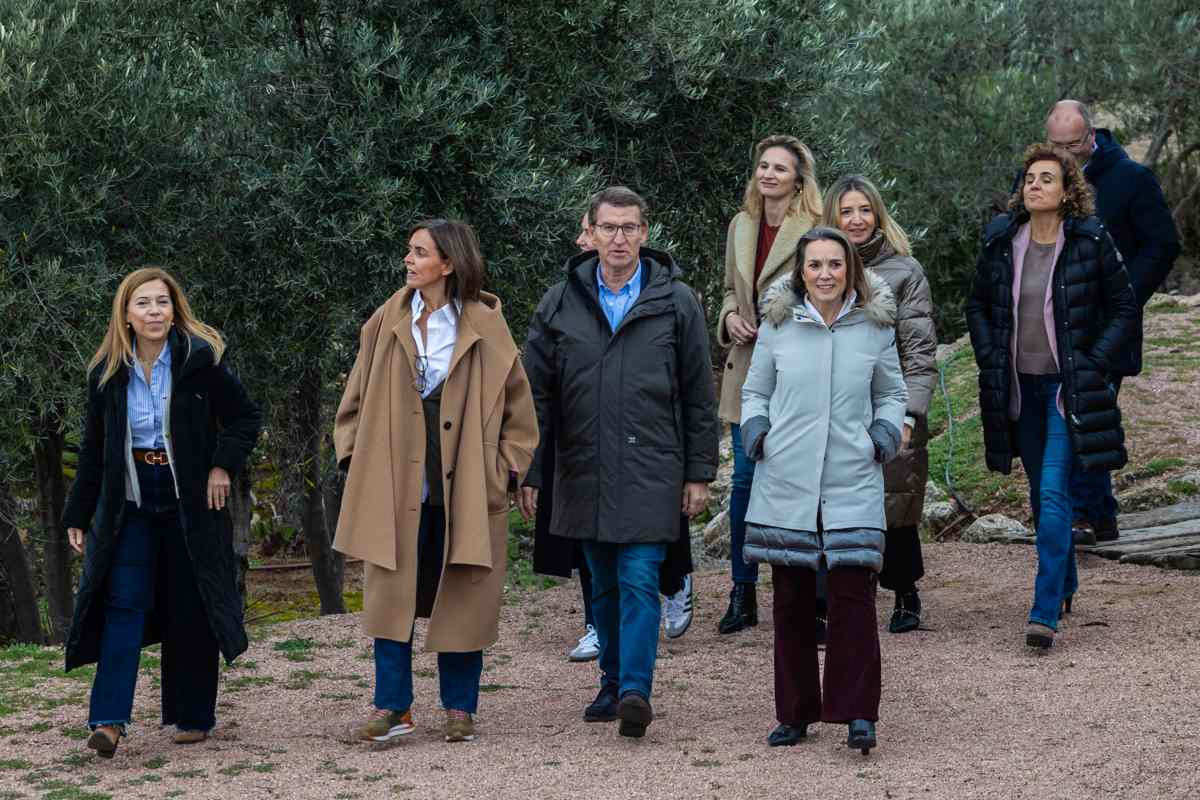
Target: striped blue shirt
617, 304
148, 401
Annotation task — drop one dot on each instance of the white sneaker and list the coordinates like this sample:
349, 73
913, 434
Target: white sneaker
588, 648
677, 610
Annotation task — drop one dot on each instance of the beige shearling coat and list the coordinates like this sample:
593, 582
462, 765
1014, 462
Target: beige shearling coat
488, 428
741, 246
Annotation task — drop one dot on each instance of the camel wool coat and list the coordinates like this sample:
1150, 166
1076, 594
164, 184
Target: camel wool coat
741, 248
488, 433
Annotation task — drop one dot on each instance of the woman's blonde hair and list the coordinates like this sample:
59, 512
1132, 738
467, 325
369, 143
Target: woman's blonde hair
807, 199
891, 229
116, 349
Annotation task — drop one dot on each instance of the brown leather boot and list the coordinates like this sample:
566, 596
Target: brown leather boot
104, 740
1039, 635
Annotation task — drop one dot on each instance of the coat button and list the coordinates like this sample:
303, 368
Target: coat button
729, 365
446, 425
449, 474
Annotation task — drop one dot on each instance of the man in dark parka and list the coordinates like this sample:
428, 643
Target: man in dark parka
1131, 203
619, 363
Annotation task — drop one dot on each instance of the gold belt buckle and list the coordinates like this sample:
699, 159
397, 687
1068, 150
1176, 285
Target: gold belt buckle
156, 457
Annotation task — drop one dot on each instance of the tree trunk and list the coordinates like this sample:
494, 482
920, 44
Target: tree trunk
328, 567
19, 618
47, 457
1162, 132
241, 507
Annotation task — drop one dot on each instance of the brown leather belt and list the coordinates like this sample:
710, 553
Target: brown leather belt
157, 458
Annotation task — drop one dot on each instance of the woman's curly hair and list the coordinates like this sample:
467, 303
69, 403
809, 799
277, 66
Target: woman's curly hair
1078, 200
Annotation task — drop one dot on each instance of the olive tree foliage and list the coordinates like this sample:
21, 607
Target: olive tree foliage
966, 86
960, 99
670, 98
345, 124
91, 174
1140, 63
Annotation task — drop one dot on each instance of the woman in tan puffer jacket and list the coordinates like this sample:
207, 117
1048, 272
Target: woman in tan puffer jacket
855, 206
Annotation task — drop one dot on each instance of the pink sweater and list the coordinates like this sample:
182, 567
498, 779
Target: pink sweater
1020, 246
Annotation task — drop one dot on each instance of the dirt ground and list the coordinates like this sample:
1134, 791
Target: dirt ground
968, 711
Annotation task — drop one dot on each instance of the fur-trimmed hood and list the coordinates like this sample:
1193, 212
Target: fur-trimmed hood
780, 302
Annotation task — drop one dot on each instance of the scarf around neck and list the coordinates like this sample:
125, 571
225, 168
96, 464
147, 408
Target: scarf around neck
869, 250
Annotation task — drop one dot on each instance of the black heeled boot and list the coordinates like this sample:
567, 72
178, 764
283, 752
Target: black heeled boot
861, 735
907, 615
787, 735
743, 609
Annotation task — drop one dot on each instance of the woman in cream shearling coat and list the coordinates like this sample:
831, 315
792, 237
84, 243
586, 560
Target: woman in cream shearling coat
782, 202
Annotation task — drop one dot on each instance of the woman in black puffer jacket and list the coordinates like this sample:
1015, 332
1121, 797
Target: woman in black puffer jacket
1050, 307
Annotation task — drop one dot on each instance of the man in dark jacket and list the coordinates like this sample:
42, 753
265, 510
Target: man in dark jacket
1130, 202
618, 360
554, 555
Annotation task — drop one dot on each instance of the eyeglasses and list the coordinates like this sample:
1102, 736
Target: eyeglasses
1073, 145
607, 230
419, 382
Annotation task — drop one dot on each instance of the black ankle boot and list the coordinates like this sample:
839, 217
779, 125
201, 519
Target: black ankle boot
907, 616
861, 735
743, 609
787, 735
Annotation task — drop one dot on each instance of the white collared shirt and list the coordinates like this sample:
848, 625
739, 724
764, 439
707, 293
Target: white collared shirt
442, 330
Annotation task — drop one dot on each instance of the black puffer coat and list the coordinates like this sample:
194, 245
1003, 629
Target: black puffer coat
632, 414
1095, 316
213, 424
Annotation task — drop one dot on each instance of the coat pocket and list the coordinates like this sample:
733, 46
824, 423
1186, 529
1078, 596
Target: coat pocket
497, 478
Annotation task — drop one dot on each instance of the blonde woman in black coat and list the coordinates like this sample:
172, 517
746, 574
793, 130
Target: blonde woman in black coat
168, 426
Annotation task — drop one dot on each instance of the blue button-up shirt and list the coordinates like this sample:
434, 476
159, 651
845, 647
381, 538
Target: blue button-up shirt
617, 304
148, 401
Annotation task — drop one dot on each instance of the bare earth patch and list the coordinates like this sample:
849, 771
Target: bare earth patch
968, 711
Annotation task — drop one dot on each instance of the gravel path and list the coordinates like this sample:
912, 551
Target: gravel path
968, 711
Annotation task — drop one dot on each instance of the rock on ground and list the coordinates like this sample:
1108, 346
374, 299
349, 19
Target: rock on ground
994, 528
716, 536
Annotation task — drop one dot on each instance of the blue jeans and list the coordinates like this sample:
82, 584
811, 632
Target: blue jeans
1092, 490
458, 674
626, 606
1044, 446
150, 542
739, 501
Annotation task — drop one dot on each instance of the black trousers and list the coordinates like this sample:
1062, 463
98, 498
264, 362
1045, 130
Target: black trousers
903, 564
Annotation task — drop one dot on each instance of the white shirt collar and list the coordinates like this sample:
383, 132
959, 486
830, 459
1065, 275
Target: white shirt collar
847, 307
452, 309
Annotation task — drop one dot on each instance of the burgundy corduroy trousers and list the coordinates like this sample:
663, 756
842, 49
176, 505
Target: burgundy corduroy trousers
852, 672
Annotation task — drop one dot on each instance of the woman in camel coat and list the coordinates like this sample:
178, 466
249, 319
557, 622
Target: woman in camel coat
782, 202
437, 417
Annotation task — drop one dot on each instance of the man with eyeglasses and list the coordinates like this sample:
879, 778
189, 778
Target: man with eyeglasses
1131, 203
553, 555
618, 360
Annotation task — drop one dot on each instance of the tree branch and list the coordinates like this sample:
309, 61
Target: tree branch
1162, 133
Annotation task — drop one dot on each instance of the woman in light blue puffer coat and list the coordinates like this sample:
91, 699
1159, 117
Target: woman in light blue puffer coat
822, 409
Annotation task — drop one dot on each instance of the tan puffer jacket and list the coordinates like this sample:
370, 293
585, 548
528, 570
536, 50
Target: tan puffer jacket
916, 340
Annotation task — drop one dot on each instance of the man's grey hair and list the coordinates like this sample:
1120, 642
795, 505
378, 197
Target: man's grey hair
618, 197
